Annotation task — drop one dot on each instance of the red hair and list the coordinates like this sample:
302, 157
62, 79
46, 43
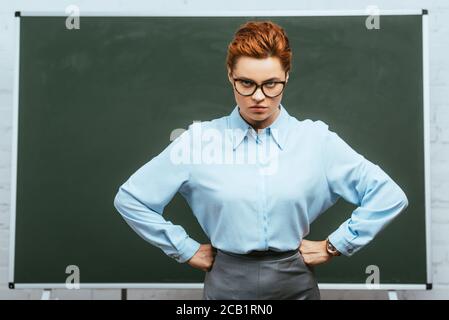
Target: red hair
260, 39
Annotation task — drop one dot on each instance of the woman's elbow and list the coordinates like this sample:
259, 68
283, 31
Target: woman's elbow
403, 200
119, 200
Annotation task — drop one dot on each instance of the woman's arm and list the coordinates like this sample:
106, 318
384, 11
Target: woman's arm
359, 181
142, 198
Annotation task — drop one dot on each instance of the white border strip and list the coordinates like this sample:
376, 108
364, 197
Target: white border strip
228, 13
15, 130
426, 104
325, 286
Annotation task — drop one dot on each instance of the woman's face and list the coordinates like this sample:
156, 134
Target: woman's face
258, 71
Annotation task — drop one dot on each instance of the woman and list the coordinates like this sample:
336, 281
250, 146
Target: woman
255, 180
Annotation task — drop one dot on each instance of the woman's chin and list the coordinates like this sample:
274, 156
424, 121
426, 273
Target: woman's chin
259, 117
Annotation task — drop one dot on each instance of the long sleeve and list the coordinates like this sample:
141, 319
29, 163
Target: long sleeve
142, 198
360, 182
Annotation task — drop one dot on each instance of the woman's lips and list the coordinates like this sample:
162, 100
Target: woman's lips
258, 108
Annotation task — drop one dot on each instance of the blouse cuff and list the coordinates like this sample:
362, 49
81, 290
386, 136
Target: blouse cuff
341, 244
187, 250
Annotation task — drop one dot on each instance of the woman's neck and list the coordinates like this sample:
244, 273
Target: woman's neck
260, 125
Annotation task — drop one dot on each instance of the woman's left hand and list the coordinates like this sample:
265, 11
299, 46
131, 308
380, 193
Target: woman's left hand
314, 252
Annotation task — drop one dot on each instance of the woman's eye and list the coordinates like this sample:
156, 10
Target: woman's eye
247, 83
270, 84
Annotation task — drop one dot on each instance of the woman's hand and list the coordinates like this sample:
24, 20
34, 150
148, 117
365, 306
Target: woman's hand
204, 258
314, 252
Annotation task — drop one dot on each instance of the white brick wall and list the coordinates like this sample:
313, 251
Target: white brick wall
439, 98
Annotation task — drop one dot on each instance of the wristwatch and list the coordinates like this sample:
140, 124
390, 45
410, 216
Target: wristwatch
331, 249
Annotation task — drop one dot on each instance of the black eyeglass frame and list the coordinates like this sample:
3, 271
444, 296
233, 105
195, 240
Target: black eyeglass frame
259, 86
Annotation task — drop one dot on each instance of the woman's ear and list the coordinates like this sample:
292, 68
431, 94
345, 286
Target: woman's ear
230, 76
286, 77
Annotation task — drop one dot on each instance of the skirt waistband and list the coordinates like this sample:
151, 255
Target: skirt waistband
261, 255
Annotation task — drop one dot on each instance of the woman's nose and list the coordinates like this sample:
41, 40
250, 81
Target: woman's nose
258, 95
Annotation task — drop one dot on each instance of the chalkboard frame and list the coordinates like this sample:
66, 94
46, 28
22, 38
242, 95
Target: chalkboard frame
426, 133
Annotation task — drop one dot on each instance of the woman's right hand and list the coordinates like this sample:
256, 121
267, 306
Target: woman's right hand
204, 258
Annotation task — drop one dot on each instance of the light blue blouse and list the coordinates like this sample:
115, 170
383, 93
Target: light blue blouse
258, 191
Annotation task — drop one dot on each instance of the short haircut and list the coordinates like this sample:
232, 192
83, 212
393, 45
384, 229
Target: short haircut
260, 39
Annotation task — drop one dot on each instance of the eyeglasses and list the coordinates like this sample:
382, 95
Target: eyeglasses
246, 87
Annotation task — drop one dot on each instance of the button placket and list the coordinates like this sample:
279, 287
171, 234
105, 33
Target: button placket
262, 198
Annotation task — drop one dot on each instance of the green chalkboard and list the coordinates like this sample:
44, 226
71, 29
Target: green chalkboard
95, 104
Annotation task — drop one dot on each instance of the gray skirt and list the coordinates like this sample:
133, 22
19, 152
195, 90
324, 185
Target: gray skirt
242, 277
